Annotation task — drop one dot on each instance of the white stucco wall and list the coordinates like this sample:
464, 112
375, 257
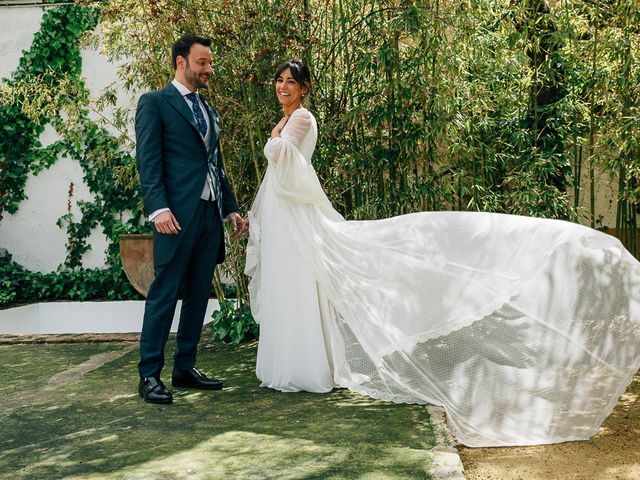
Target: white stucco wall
17, 27
31, 234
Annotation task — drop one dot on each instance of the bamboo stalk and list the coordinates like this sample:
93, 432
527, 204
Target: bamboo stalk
217, 286
625, 215
592, 181
431, 146
577, 148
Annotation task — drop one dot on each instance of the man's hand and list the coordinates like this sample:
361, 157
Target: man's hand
238, 224
166, 223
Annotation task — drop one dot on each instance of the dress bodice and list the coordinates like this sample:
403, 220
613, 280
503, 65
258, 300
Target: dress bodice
301, 131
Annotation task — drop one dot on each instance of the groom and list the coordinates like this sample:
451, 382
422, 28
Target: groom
187, 196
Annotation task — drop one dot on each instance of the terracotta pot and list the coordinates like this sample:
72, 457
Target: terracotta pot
136, 254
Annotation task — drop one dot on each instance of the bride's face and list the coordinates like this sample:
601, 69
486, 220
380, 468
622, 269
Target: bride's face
288, 90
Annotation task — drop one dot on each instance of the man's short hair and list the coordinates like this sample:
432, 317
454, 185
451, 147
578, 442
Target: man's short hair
183, 45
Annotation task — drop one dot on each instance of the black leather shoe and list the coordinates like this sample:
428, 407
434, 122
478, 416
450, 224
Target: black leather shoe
153, 391
194, 378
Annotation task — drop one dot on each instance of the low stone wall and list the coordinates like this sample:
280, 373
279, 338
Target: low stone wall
81, 317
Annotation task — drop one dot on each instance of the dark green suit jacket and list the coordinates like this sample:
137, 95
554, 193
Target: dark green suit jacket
171, 157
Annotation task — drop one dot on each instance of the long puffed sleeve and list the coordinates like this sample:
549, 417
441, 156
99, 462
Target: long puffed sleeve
297, 127
293, 132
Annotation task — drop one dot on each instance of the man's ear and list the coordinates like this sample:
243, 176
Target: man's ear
180, 62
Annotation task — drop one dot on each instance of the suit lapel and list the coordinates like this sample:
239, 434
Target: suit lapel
174, 99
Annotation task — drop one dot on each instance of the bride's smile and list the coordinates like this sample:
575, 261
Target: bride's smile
289, 91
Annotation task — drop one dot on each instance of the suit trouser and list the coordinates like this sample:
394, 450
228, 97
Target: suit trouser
190, 270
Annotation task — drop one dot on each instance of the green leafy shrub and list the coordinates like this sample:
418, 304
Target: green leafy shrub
233, 322
19, 285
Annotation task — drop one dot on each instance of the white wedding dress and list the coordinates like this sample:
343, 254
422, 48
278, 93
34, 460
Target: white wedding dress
525, 330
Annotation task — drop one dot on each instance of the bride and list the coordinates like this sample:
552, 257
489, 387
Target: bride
525, 330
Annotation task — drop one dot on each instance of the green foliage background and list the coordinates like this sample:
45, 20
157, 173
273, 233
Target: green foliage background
494, 105
505, 105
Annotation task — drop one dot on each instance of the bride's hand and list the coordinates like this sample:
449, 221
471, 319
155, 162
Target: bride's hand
278, 128
238, 224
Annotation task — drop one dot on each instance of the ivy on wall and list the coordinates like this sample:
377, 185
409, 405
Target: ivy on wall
47, 89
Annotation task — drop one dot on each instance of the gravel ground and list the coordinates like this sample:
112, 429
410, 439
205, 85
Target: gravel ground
613, 454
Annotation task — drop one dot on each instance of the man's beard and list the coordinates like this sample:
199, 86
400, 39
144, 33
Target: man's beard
192, 78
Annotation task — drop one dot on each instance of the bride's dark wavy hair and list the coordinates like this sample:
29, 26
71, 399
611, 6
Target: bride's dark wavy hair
299, 71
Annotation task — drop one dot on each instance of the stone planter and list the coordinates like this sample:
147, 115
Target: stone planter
136, 254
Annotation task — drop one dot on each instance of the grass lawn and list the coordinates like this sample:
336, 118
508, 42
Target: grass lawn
71, 410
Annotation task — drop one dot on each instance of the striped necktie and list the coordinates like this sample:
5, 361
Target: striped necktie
214, 176
197, 112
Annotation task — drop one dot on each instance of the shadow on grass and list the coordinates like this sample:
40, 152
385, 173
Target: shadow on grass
99, 428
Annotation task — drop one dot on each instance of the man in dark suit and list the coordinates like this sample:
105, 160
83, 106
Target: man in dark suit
187, 196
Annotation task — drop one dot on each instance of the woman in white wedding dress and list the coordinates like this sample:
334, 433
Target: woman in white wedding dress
525, 330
